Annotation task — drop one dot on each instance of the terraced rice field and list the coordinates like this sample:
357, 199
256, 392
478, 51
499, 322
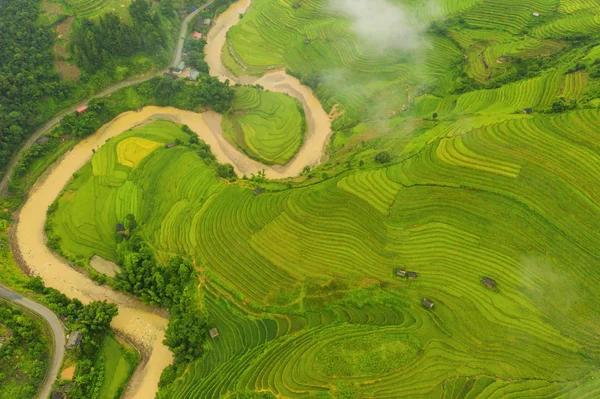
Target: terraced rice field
267, 126
93, 8
301, 280
295, 278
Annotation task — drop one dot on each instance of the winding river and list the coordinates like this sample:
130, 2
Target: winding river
141, 324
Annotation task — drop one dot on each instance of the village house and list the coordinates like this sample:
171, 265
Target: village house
400, 272
82, 109
193, 75
258, 191
528, 111
411, 275
488, 282
196, 35
57, 395
74, 340
170, 145
427, 303
213, 333
120, 227
43, 140
206, 22
536, 14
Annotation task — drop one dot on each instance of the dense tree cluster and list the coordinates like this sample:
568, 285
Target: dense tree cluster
26, 72
195, 54
23, 356
208, 91
173, 286
96, 44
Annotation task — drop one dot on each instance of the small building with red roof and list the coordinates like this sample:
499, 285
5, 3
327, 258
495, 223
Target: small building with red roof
197, 35
81, 109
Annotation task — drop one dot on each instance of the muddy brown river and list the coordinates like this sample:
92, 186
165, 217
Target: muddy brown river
139, 323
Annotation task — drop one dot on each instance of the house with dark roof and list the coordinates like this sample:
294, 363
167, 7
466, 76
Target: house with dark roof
170, 145
258, 191
488, 282
74, 340
427, 303
411, 275
528, 111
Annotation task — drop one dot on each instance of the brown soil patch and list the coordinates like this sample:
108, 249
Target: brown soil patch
63, 28
68, 373
52, 10
68, 71
104, 266
336, 112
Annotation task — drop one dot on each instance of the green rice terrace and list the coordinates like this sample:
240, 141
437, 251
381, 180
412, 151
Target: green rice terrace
448, 247
266, 126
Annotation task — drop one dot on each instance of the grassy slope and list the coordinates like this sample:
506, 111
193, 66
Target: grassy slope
118, 367
267, 126
291, 278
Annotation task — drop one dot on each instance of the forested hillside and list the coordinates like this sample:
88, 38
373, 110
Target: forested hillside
27, 73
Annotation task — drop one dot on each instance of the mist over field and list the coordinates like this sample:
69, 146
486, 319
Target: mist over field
381, 25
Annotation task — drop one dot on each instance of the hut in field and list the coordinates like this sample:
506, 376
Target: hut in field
296, 5
488, 282
400, 273
528, 111
169, 145
193, 75
502, 59
120, 228
411, 275
81, 109
258, 191
214, 333
306, 41
74, 340
536, 14
427, 303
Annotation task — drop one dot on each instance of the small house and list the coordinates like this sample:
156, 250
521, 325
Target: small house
194, 75
296, 5
427, 303
502, 59
196, 35
306, 41
82, 109
74, 340
120, 228
206, 21
528, 111
169, 145
258, 191
57, 395
400, 272
536, 14
214, 333
488, 282
180, 66
411, 275
43, 140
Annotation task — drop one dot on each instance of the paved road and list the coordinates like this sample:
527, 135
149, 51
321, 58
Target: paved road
51, 123
58, 336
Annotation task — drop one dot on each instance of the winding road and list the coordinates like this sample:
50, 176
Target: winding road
56, 329
129, 82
